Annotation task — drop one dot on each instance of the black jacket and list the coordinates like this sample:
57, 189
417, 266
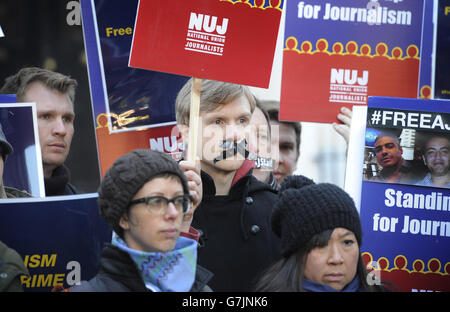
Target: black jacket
58, 183
119, 273
237, 242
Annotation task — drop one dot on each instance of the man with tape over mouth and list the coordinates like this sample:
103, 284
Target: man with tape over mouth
234, 216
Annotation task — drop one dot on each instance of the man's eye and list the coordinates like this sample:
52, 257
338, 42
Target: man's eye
45, 116
217, 121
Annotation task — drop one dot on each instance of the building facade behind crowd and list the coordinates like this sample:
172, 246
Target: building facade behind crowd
54, 95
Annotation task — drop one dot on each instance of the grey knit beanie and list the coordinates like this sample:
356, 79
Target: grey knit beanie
126, 176
305, 209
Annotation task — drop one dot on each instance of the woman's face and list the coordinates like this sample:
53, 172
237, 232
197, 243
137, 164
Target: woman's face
334, 264
150, 232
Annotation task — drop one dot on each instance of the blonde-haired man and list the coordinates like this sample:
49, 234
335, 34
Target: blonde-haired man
234, 216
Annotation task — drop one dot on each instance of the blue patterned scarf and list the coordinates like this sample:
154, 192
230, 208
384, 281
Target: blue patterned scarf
165, 271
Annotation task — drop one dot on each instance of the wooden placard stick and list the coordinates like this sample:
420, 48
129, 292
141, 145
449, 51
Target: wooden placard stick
194, 119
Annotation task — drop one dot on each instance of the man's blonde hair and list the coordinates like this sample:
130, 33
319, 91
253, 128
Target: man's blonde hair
213, 94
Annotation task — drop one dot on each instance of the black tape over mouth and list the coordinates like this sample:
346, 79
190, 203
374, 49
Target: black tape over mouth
233, 149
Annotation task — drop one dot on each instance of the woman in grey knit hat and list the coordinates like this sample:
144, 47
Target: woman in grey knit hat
320, 233
144, 197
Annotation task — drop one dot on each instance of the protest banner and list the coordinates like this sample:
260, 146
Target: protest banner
125, 99
231, 41
207, 40
338, 54
406, 221
59, 238
22, 169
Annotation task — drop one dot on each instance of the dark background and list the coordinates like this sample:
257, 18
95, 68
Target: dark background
37, 34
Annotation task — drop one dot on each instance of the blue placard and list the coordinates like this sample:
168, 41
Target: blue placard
406, 227
395, 23
59, 238
131, 98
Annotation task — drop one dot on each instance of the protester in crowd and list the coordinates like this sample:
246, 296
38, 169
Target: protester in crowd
144, 197
320, 234
436, 158
11, 270
234, 215
389, 154
289, 137
261, 139
54, 95
11, 264
287, 142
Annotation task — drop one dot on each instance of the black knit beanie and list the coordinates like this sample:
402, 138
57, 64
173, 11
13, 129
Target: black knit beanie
305, 209
126, 176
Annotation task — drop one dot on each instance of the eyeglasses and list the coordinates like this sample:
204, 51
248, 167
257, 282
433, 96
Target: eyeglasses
158, 205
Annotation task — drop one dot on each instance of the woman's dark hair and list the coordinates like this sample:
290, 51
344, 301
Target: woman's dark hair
286, 275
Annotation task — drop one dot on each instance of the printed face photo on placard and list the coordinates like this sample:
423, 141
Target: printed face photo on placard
407, 156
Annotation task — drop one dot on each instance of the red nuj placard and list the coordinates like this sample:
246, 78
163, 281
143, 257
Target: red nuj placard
232, 41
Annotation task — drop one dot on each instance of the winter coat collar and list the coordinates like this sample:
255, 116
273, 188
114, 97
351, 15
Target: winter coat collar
58, 183
241, 191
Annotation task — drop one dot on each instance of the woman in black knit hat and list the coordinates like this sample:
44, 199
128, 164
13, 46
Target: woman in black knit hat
145, 197
320, 234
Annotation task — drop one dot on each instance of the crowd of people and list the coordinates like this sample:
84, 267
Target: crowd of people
217, 224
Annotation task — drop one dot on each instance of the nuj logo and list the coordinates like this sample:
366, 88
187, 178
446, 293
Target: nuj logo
207, 23
166, 144
349, 77
206, 34
349, 86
